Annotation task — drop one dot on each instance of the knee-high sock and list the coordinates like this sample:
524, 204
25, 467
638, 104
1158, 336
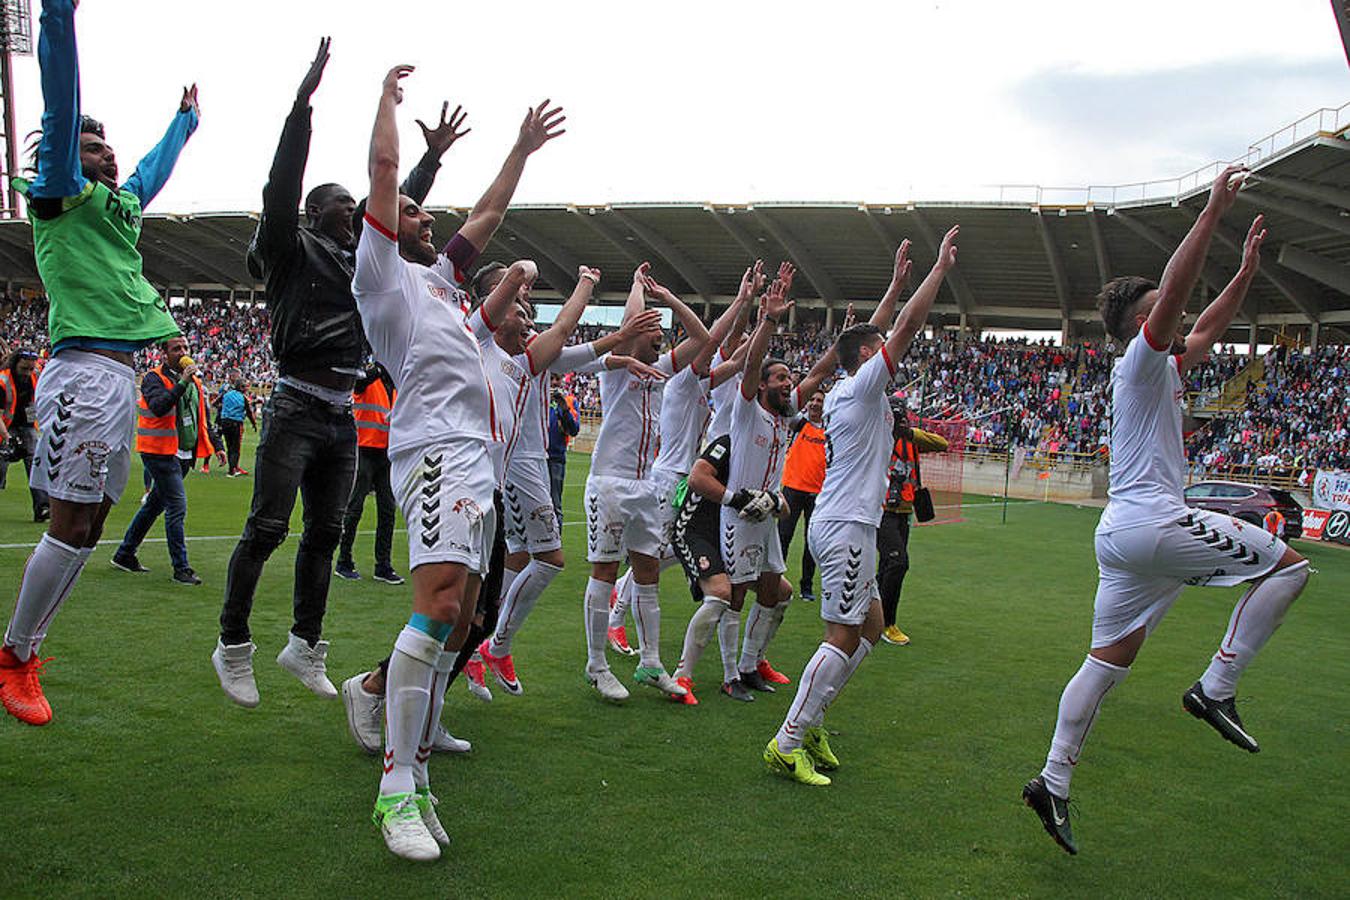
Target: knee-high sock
407, 702
775, 619
1078, 707
647, 615
699, 633
1254, 620
47, 578
509, 577
440, 681
596, 621
854, 660
825, 670
519, 601
623, 599
760, 626
85, 553
728, 629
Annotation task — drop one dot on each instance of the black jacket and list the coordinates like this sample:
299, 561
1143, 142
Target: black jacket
314, 320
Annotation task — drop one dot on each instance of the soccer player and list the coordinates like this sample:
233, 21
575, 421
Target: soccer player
440, 451
803, 474
102, 310
843, 533
1149, 544
308, 442
622, 512
172, 432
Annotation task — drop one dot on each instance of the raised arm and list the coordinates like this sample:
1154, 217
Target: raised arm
716, 335
58, 153
915, 311
772, 309
495, 305
752, 283
726, 369
697, 334
1216, 318
884, 314
382, 204
1183, 269
541, 125
439, 139
545, 348
154, 169
644, 324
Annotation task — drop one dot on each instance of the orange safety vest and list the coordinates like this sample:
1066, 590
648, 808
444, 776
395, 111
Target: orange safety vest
370, 409
158, 435
11, 396
1275, 522
804, 468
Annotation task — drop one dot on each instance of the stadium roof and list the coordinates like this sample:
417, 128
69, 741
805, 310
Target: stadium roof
1031, 257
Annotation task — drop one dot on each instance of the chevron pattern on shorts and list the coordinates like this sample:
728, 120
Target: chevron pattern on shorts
57, 441
852, 568
1220, 543
513, 507
592, 521
431, 499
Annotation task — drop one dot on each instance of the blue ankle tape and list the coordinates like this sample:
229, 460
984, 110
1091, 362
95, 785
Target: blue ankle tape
439, 631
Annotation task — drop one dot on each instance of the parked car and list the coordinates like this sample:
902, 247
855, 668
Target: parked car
1248, 502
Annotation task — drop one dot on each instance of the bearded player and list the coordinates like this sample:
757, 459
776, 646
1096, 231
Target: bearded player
1149, 543
102, 310
843, 532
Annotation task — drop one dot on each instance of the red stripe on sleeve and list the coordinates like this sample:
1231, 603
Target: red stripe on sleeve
1148, 336
379, 226
890, 366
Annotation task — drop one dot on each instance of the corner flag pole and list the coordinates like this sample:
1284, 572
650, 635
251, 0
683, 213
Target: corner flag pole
1007, 475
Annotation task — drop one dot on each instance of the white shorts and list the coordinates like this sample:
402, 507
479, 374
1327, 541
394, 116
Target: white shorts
445, 491
663, 484
622, 515
846, 555
531, 522
750, 549
1143, 569
86, 411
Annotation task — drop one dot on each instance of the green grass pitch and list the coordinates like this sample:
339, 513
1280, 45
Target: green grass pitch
150, 783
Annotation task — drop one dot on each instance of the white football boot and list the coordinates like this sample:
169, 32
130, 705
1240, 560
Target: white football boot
365, 714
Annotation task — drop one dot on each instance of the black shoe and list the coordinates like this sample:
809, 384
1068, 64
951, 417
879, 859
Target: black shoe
1222, 714
42, 515
807, 592
755, 682
388, 575
127, 562
347, 570
737, 691
1054, 813
186, 576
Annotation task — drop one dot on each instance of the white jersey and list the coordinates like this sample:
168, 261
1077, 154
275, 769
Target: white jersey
858, 442
532, 437
631, 428
759, 442
1148, 460
723, 397
509, 379
416, 321
684, 413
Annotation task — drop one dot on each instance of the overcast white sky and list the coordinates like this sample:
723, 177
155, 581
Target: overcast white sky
728, 101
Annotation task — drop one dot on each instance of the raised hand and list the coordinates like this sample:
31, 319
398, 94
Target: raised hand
646, 323
850, 318
189, 100
640, 274
1251, 247
947, 252
786, 272
392, 86
903, 265
440, 138
775, 303
657, 291
586, 273
315, 74
1224, 192
541, 125
752, 282
642, 370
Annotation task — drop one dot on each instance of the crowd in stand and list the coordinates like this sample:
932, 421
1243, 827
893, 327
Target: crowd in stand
1047, 398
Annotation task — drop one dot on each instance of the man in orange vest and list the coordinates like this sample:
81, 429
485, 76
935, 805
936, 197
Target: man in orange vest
1274, 523
173, 431
803, 474
372, 399
18, 423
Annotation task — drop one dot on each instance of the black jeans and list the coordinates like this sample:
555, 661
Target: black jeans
164, 476
307, 445
892, 561
372, 473
233, 432
28, 440
800, 505
557, 473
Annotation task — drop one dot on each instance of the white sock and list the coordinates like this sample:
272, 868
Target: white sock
728, 630
1254, 620
1078, 707
47, 578
597, 621
519, 602
440, 681
407, 702
756, 634
700, 631
647, 616
509, 578
854, 660
623, 599
775, 619
827, 668
85, 553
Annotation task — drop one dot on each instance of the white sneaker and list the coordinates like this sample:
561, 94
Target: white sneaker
405, 834
307, 664
609, 686
426, 805
445, 742
234, 668
365, 714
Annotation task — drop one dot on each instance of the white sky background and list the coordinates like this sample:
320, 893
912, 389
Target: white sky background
728, 101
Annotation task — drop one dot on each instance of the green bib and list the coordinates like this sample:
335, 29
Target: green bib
89, 263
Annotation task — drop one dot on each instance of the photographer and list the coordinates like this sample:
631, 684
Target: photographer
18, 424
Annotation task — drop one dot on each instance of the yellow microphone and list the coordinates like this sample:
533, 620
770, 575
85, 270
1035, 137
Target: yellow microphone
184, 361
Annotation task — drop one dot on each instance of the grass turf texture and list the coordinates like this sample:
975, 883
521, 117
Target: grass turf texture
150, 783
